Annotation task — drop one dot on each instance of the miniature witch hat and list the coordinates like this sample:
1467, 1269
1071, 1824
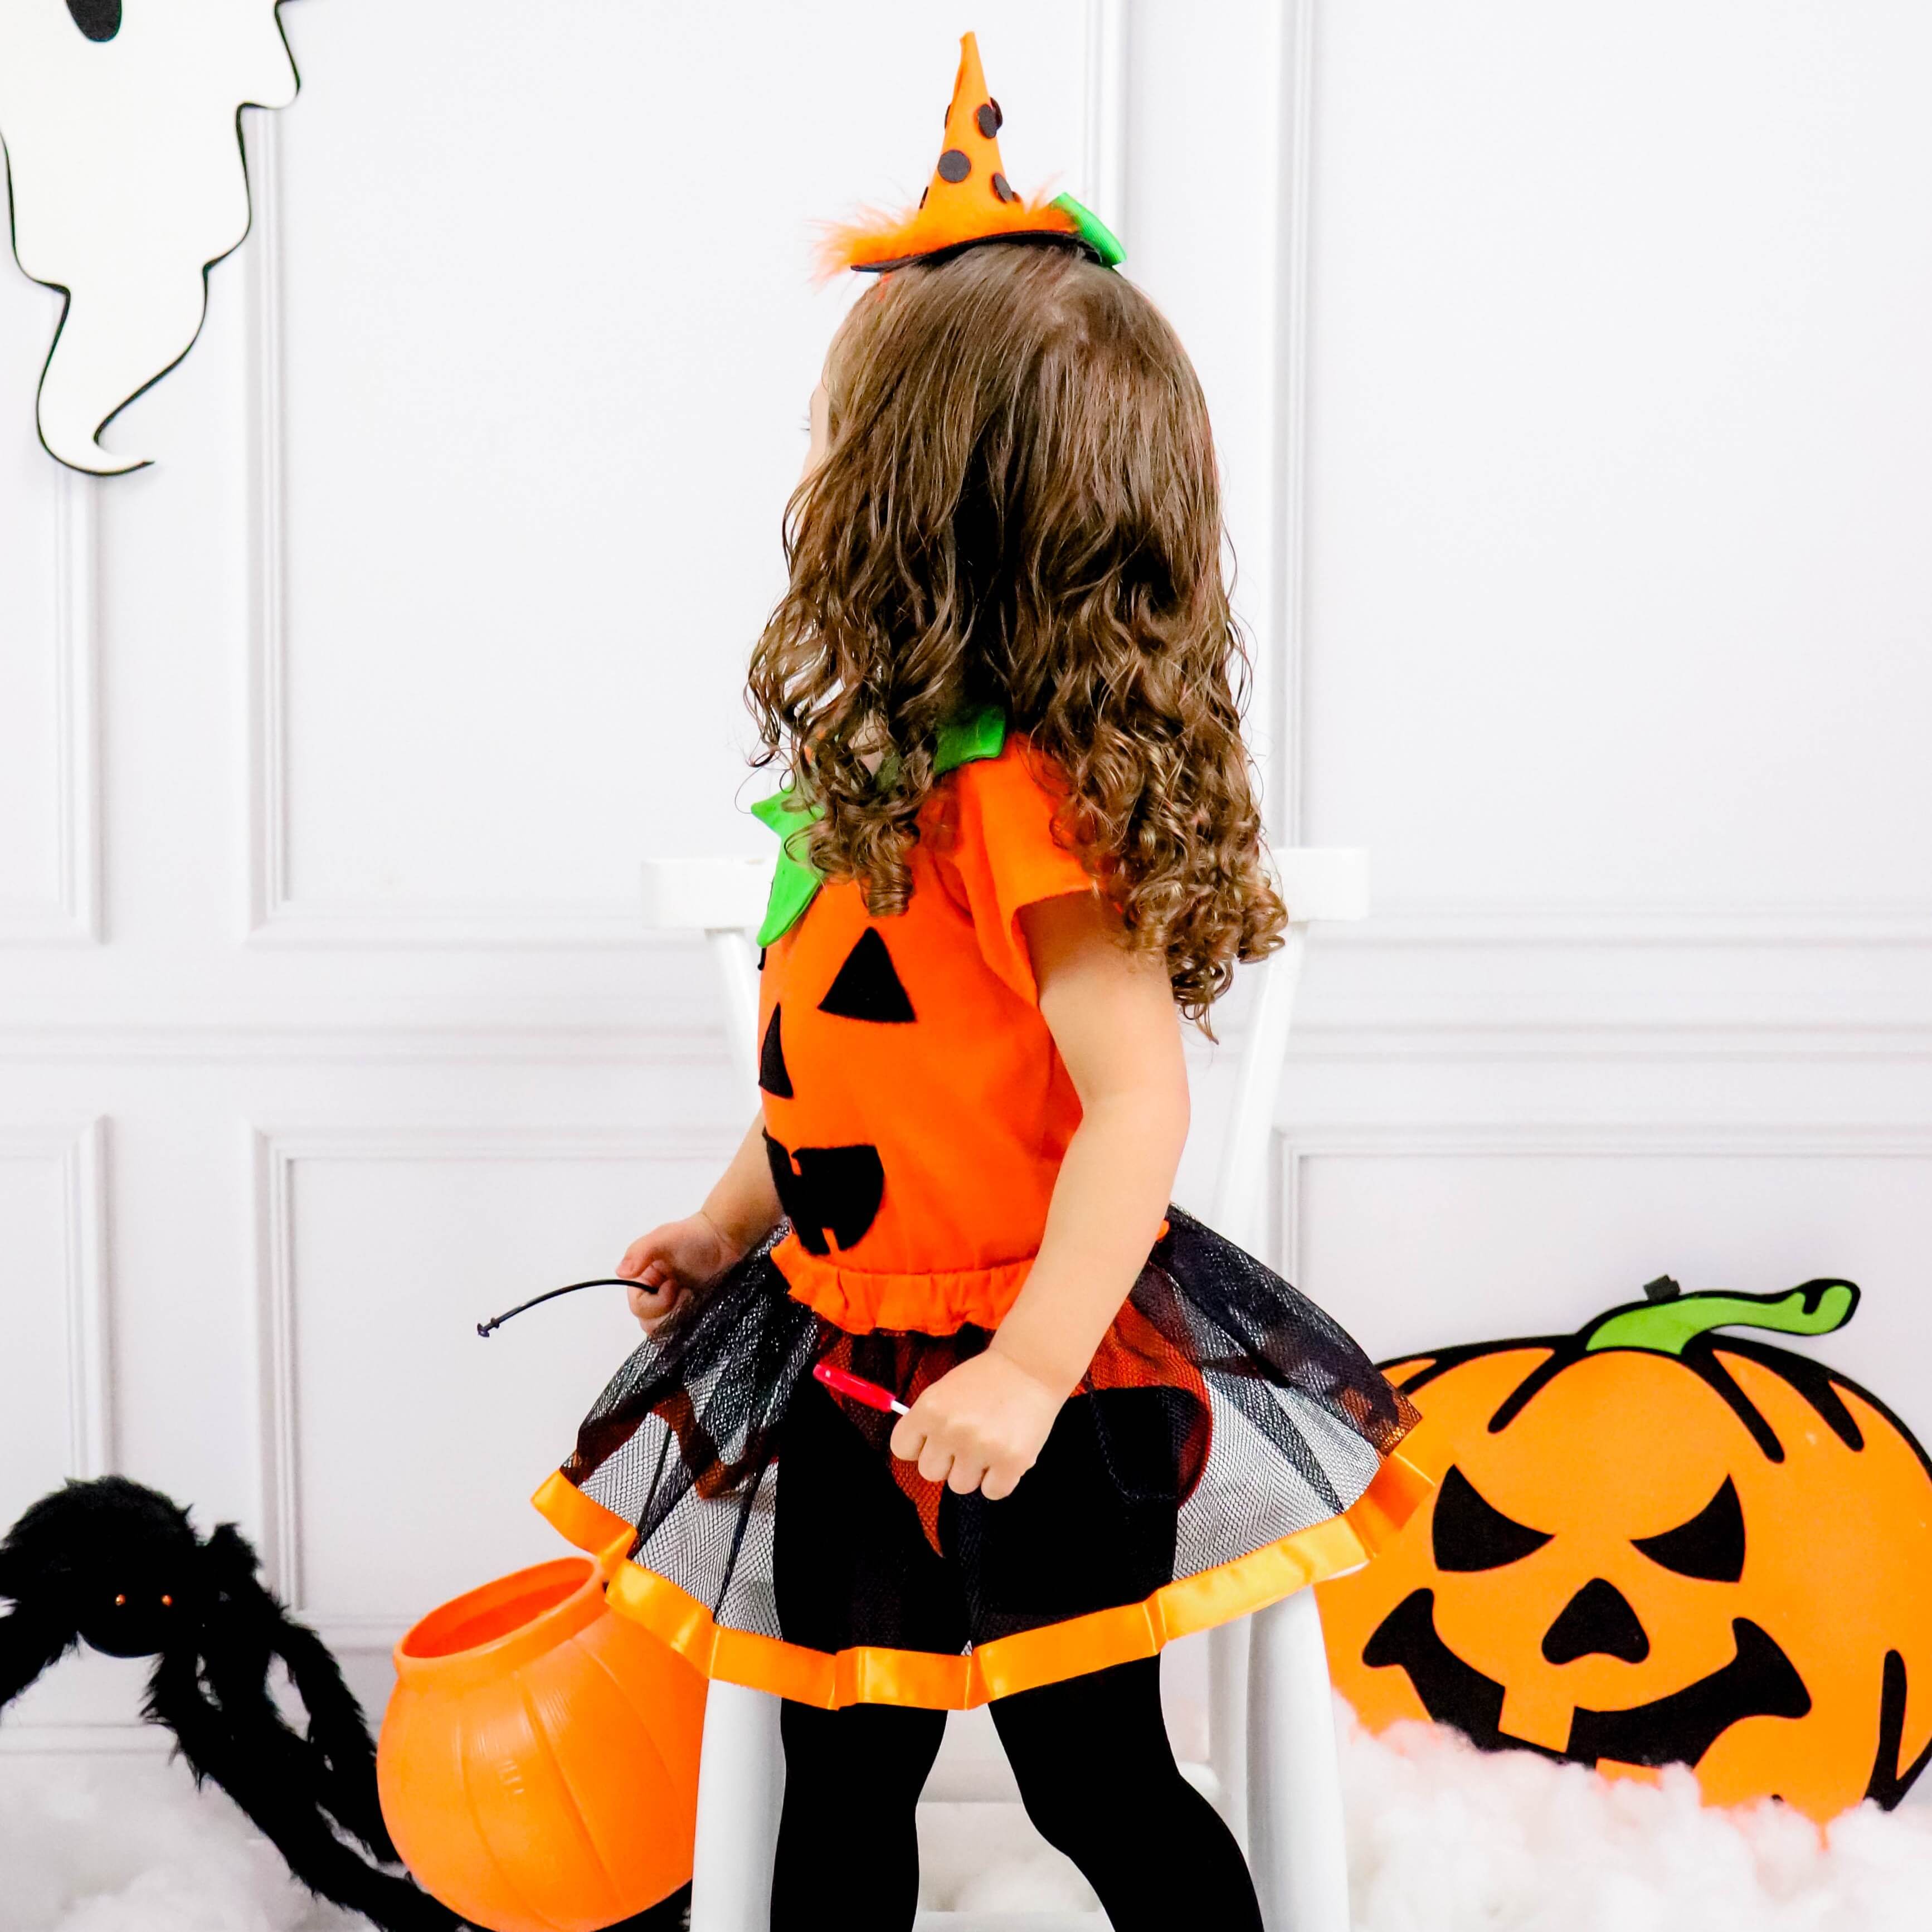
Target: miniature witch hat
969, 200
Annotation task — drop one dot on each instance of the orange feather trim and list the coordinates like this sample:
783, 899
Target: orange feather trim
875, 239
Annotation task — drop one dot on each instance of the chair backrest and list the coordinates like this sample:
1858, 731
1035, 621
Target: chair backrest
724, 899
1315, 883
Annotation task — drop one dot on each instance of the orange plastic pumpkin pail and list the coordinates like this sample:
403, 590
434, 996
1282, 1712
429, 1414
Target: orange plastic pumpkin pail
538, 1761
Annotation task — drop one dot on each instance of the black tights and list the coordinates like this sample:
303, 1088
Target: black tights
1099, 1780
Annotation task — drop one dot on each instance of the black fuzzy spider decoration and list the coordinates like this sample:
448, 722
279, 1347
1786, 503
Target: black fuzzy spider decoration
113, 1564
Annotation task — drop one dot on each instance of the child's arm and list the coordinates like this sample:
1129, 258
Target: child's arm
737, 1214
1113, 1018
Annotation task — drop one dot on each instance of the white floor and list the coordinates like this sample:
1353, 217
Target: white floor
1444, 1840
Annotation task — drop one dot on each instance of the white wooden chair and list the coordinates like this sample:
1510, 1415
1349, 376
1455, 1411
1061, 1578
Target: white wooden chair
1271, 1722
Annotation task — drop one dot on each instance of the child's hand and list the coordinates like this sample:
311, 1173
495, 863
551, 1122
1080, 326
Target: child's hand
980, 1427
671, 1260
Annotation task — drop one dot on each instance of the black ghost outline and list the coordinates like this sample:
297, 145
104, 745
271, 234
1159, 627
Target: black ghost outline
1760, 1681
834, 1190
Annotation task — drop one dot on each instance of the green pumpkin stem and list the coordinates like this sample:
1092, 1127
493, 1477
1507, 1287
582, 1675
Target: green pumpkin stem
1665, 1328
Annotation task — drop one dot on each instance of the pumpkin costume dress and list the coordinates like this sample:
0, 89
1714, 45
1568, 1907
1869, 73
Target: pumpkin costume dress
1228, 1444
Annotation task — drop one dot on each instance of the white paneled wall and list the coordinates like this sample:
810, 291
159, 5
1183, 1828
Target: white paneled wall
57, 1420
48, 889
1532, 1231
1618, 396
1568, 372
368, 1452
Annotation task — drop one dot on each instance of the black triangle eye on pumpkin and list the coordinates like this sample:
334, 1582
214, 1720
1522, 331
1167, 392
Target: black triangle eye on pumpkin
1471, 1534
774, 1076
868, 985
1711, 1545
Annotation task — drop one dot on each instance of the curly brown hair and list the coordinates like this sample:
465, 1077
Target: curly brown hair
1019, 506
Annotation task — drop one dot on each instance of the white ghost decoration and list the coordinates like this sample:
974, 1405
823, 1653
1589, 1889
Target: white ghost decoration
121, 122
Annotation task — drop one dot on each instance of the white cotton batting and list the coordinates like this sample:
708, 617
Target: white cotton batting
1444, 1837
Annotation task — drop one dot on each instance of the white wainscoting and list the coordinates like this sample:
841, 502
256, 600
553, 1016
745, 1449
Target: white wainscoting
398, 1447
1612, 396
55, 1419
50, 858
1421, 1237
585, 533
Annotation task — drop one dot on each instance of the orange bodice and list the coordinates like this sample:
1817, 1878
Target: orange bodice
916, 1108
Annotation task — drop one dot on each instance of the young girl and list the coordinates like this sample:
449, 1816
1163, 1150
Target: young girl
1019, 844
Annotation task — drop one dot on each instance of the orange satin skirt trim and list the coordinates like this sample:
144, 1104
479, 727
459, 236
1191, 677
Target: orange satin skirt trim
872, 1675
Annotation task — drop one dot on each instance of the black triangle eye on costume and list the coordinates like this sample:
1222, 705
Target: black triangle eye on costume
868, 986
832, 1190
1711, 1545
1470, 1533
773, 1074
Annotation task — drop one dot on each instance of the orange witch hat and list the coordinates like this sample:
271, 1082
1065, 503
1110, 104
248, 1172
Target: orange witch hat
969, 199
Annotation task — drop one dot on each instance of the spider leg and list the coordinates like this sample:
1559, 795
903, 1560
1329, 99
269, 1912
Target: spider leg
268, 1772
29, 1645
338, 1735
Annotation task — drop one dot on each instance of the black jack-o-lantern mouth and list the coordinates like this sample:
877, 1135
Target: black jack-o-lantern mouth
834, 1191
1760, 1681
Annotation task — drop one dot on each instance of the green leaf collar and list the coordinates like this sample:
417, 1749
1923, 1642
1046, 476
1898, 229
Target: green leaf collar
796, 879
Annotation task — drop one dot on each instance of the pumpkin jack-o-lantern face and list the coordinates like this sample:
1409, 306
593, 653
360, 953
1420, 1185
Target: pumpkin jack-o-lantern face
833, 1193
1654, 1546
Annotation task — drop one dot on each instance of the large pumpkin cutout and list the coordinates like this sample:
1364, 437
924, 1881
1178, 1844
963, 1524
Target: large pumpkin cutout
538, 1760
1655, 1545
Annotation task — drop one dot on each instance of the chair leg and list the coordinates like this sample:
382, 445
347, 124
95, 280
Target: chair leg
1297, 1847
740, 1787
1228, 1720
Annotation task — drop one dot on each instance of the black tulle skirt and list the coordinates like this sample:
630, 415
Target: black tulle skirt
1229, 1444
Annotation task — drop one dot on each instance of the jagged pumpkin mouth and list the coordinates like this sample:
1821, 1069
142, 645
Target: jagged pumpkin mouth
1760, 1681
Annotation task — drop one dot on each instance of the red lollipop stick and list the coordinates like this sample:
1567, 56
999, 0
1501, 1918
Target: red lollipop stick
842, 1381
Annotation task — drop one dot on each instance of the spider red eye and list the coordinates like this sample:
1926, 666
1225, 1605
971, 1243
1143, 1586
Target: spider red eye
120, 1602
167, 1602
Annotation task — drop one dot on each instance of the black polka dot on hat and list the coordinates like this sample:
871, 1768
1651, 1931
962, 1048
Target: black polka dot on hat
1003, 188
923, 193
954, 165
987, 118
